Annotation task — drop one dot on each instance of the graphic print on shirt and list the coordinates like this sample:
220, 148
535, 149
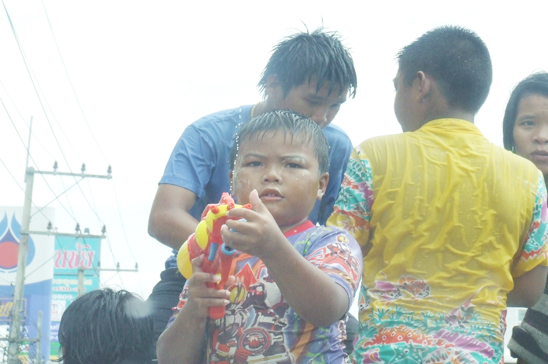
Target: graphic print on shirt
252, 329
391, 331
260, 327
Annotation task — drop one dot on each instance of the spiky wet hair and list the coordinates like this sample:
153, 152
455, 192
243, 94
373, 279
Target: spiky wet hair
299, 57
290, 124
108, 327
457, 59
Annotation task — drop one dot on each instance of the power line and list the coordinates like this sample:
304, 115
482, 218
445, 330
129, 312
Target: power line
125, 234
56, 197
17, 183
43, 103
121, 221
33, 83
23, 119
71, 85
31, 157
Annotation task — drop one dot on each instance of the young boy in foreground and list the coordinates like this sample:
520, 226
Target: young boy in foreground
293, 281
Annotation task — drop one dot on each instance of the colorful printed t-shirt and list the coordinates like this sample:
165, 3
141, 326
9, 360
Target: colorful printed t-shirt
259, 325
446, 220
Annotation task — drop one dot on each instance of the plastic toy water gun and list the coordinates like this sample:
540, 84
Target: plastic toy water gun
207, 240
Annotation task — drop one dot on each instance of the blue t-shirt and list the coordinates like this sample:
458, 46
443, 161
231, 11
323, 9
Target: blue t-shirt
199, 162
259, 325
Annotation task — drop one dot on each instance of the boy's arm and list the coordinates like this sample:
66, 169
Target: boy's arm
308, 290
352, 210
530, 269
169, 221
185, 178
184, 341
528, 288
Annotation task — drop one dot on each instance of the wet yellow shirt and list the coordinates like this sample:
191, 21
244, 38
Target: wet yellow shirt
449, 219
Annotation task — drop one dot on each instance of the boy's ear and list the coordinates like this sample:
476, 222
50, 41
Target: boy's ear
322, 185
274, 87
425, 86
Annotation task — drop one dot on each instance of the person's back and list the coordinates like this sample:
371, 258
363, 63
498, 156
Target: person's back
450, 225
451, 210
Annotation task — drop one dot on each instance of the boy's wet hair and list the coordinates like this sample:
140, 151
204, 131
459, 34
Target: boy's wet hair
107, 327
457, 59
302, 55
534, 84
290, 124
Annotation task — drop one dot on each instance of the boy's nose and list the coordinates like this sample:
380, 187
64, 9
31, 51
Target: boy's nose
542, 135
272, 175
320, 117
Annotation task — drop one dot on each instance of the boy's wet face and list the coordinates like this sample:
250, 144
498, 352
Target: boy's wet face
320, 106
285, 173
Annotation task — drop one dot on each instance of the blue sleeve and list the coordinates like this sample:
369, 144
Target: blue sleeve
191, 162
340, 148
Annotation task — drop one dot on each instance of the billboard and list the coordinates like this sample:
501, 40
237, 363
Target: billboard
38, 277
71, 254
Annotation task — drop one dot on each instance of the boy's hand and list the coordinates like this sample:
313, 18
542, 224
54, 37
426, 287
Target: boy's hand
258, 235
201, 297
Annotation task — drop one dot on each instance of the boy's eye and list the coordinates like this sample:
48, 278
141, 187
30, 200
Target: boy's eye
252, 164
294, 165
527, 123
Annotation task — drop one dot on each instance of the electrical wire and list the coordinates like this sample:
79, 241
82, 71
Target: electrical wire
32, 79
23, 119
34, 84
43, 102
94, 208
18, 185
71, 84
125, 234
56, 197
31, 158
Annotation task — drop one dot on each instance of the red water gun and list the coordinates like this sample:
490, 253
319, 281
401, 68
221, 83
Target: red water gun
207, 240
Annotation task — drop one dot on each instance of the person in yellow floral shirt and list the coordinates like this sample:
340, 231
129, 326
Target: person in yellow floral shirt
453, 228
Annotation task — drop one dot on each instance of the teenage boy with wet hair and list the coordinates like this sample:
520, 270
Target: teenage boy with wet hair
108, 327
291, 281
453, 228
310, 73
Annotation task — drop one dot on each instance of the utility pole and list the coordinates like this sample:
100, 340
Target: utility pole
18, 293
15, 330
39, 339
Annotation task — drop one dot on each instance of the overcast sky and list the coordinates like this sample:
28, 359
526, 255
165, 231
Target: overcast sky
140, 71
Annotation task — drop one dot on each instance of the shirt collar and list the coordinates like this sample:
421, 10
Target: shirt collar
451, 125
299, 228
